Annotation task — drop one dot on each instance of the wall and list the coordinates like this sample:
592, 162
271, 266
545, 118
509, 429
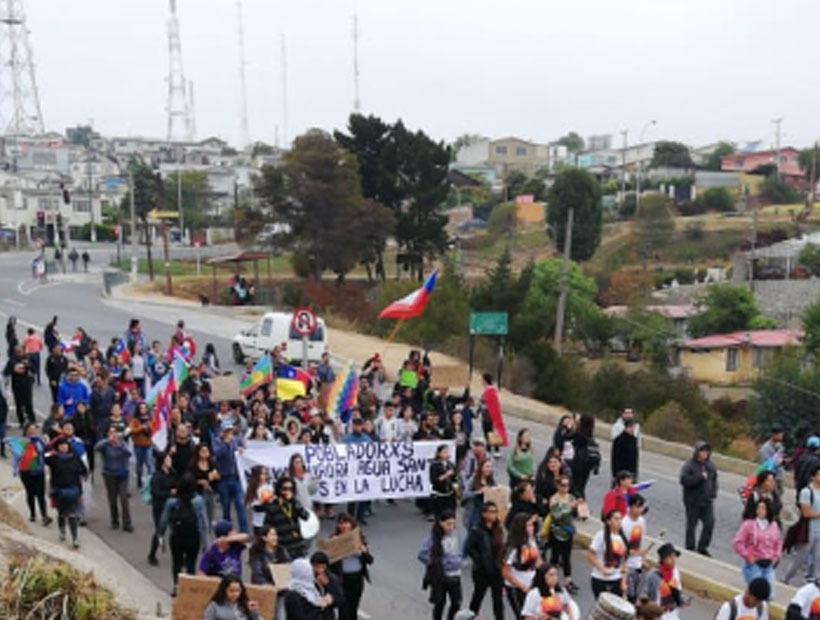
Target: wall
786, 300
530, 213
710, 366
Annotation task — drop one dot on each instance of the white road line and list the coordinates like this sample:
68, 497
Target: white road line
37, 286
21, 321
13, 302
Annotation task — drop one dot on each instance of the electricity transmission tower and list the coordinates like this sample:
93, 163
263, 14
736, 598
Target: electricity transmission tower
20, 112
180, 119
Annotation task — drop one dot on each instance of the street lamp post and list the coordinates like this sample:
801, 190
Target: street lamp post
640, 166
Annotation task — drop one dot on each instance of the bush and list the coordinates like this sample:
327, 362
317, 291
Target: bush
719, 199
300, 262
558, 380
503, 219
104, 232
777, 192
663, 278
669, 422
627, 208
609, 390
685, 275
694, 231
696, 207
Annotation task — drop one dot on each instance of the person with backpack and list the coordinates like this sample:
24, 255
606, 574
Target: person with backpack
587, 459
185, 515
751, 603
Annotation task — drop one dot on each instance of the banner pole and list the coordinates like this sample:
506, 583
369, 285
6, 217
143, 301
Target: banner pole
392, 335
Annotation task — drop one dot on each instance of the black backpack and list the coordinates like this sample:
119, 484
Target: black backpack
593, 455
183, 518
733, 610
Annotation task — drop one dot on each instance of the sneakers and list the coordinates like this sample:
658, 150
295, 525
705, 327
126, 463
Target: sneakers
75, 543
152, 560
115, 525
46, 521
128, 528
62, 535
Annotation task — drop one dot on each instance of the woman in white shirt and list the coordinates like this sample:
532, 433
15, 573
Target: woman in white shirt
607, 555
547, 600
521, 559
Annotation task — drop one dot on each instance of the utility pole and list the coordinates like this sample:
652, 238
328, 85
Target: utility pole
179, 205
753, 253
91, 198
134, 233
777, 123
357, 104
243, 90
624, 133
562, 299
639, 167
284, 92
168, 285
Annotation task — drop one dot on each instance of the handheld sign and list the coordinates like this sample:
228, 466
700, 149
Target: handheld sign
194, 592
341, 546
281, 575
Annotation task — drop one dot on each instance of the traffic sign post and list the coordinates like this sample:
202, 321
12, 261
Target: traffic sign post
489, 324
304, 323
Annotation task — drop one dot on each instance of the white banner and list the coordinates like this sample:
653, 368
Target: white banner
352, 472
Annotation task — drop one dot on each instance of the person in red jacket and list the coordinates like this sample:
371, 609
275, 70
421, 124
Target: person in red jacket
617, 498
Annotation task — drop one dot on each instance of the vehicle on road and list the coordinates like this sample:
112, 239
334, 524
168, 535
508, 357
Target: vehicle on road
275, 329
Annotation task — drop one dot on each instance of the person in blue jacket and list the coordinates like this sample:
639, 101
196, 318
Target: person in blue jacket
72, 390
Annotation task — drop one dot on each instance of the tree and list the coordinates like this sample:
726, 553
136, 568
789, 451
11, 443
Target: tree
654, 221
149, 189
519, 184
776, 191
503, 219
262, 148
573, 142
724, 308
809, 160
718, 199
670, 154
721, 150
81, 135
197, 198
576, 189
809, 257
317, 194
465, 139
811, 327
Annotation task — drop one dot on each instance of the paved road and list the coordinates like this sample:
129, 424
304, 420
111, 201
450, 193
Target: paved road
395, 533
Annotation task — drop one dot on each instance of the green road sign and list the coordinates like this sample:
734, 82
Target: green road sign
488, 323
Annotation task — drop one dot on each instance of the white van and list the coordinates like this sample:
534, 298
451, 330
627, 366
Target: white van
275, 329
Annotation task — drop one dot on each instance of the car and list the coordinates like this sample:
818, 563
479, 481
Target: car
275, 329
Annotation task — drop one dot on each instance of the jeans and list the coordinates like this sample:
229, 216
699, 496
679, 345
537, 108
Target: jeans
34, 358
143, 454
3, 438
117, 490
813, 557
753, 571
481, 582
24, 405
704, 513
798, 561
229, 491
562, 555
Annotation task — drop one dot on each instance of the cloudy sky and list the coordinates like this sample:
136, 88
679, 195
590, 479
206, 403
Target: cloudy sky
705, 69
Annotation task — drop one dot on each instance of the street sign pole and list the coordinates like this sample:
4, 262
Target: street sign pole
500, 361
304, 352
472, 349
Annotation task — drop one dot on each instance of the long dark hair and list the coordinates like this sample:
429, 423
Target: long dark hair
496, 531
220, 596
608, 534
540, 580
257, 549
517, 539
254, 483
475, 483
437, 536
186, 488
345, 517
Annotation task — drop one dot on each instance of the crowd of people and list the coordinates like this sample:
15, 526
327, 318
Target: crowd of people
516, 547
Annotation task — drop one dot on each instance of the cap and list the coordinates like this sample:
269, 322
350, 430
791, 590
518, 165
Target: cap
226, 425
813, 442
666, 549
222, 528
760, 588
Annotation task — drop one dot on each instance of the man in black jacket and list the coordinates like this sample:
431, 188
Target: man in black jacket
625, 450
21, 374
56, 367
698, 477
327, 583
103, 398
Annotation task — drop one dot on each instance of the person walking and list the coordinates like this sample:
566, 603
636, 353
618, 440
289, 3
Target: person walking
774, 450
752, 603
51, 337
184, 513
224, 556
229, 488
759, 543
86, 259
485, 543
587, 458
520, 464
283, 513
809, 501
547, 600
29, 463
625, 451
561, 534
56, 367
302, 598
33, 345
607, 555
473, 493
519, 560
765, 488
698, 477
805, 602
353, 570
163, 485
72, 390
18, 369
230, 602
115, 457
442, 479
265, 551
140, 427
11, 336
442, 560
633, 526
206, 478
618, 426
663, 585
73, 256
67, 473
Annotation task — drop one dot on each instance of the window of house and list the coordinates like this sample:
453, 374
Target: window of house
761, 356
731, 360
521, 151
81, 206
501, 150
739, 162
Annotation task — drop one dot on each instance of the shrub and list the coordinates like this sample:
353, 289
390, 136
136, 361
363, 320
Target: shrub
777, 192
669, 422
694, 231
696, 207
609, 390
558, 380
663, 278
627, 208
503, 219
719, 199
685, 275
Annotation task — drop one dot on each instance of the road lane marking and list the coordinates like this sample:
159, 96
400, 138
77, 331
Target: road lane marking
13, 302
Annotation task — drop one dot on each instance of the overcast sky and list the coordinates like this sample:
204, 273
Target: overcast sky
705, 69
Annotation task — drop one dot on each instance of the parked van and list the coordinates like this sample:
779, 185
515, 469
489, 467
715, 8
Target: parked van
275, 329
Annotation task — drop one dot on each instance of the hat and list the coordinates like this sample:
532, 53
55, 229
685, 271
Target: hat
760, 588
226, 425
222, 528
666, 549
813, 442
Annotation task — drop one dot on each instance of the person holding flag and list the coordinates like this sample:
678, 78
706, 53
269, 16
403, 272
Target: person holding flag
28, 461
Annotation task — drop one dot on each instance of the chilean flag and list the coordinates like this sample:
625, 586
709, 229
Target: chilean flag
412, 305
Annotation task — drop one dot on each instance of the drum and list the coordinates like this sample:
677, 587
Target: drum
611, 607
309, 528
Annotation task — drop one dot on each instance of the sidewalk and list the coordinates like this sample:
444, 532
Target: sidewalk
131, 588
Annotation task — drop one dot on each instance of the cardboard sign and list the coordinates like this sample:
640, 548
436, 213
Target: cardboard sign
194, 592
281, 575
408, 378
448, 376
501, 496
341, 546
225, 388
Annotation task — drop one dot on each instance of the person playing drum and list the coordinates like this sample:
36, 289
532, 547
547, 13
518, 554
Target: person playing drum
663, 583
607, 555
547, 600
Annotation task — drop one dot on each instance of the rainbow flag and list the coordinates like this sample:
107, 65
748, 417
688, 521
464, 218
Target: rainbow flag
25, 453
342, 396
179, 371
290, 383
261, 374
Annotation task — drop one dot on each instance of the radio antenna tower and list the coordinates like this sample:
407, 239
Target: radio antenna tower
357, 104
243, 90
20, 110
180, 120
284, 93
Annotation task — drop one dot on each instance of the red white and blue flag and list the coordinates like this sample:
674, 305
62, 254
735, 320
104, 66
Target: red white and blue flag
412, 305
69, 346
159, 399
121, 352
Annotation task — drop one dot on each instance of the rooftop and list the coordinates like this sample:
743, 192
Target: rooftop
755, 338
